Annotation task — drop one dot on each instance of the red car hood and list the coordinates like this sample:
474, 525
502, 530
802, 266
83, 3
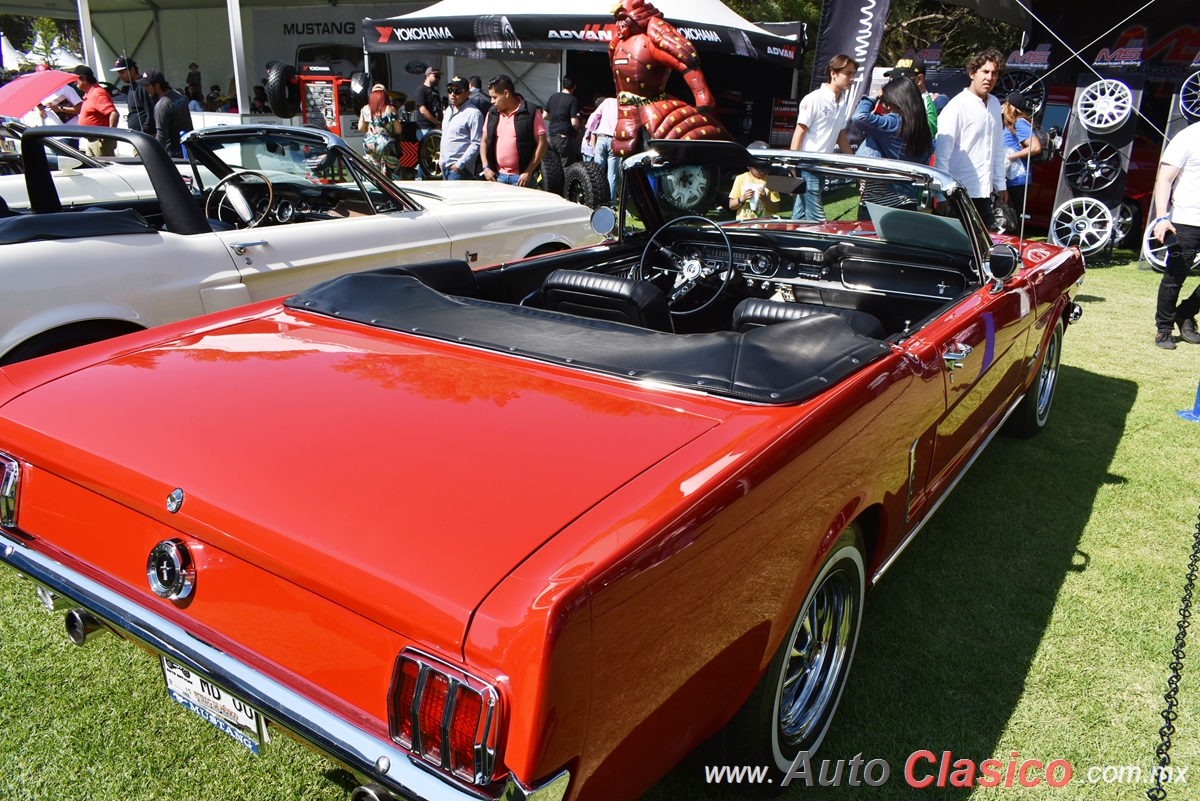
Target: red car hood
401, 478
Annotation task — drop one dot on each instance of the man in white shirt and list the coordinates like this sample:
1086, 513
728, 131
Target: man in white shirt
1180, 171
820, 125
970, 140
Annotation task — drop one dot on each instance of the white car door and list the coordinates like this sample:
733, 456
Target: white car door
339, 219
277, 260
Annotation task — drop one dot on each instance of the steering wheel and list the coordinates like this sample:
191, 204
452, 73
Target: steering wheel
689, 271
228, 186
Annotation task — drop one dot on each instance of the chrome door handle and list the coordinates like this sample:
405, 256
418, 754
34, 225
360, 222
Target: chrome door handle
955, 354
240, 247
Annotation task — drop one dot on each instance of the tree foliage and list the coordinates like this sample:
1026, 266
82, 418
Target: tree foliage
29, 32
43, 45
916, 24
911, 25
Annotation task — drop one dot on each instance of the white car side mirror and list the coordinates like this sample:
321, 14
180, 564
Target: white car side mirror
67, 166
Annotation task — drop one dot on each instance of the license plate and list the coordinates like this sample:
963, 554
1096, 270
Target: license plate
215, 704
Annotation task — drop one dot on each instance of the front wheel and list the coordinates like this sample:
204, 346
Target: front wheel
1034, 410
792, 706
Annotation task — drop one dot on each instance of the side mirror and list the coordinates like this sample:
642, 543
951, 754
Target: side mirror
1003, 262
68, 165
604, 221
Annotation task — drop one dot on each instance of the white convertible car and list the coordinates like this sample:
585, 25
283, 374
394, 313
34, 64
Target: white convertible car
267, 211
79, 178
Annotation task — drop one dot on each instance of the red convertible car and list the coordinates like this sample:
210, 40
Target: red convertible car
691, 450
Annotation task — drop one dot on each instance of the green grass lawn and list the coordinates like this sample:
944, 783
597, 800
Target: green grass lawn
1035, 613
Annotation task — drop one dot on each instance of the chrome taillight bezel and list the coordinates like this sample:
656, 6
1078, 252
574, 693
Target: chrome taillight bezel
487, 732
10, 490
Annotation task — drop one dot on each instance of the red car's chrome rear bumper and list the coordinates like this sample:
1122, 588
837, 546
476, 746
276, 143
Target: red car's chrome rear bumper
381, 762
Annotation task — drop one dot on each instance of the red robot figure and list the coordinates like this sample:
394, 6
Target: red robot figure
643, 52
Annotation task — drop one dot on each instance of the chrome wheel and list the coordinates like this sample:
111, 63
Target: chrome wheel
1104, 106
690, 188
1027, 83
1029, 418
1125, 221
1083, 222
1048, 376
1092, 166
1189, 97
1155, 252
816, 656
820, 651
793, 704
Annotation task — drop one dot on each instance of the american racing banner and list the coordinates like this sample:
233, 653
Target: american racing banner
473, 36
853, 27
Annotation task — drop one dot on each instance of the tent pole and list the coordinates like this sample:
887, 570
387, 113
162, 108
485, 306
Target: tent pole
157, 25
85, 31
240, 79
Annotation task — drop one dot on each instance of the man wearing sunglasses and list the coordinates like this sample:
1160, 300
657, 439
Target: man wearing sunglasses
462, 126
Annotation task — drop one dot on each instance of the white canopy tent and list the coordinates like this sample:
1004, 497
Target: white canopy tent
170, 34
221, 35
9, 55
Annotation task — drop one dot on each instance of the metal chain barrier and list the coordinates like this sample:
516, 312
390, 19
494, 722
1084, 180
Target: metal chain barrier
1163, 751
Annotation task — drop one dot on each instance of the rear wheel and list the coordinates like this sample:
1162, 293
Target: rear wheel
66, 337
792, 706
1034, 410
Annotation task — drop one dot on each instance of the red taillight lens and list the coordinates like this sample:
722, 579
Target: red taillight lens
456, 717
406, 691
433, 706
464, 728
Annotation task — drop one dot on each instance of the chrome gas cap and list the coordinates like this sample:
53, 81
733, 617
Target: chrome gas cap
170, 570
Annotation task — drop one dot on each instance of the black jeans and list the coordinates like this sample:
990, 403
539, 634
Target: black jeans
984, 206
1179, 262
567, 147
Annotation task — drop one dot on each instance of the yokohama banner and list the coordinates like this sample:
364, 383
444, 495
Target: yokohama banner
474, 36
853, 27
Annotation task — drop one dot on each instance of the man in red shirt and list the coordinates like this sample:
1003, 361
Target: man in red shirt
96, 109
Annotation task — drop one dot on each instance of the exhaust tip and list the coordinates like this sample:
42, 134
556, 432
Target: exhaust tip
371, 792
83, 627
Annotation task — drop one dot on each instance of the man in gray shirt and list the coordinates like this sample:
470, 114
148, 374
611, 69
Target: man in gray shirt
140, 115
171, 116
462, 127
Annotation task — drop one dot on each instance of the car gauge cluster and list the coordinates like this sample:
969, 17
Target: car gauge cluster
764, 263
283, 211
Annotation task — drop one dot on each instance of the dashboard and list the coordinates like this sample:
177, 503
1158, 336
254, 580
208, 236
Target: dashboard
868, 266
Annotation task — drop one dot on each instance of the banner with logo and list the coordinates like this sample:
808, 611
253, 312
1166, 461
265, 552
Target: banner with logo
484, 35
852, 27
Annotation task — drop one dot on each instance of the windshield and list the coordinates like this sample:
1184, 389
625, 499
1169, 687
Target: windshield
286, 161
274, 155
894, 208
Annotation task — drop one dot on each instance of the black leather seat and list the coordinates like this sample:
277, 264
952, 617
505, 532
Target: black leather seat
756, 312
5, 211
607, 297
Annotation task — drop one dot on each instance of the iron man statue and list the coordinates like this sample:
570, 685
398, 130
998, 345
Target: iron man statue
644, 51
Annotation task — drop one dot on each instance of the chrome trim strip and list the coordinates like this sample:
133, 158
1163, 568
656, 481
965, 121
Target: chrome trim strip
325, 731
896, 553
912, 467
10, 488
